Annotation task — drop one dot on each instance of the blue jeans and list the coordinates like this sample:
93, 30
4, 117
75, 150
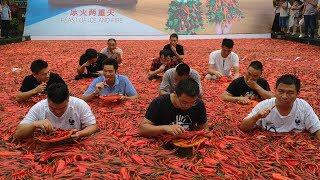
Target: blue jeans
310, 22
283, 22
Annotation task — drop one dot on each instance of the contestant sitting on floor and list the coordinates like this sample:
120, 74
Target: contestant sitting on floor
110, 83
222, 61
92, 62
112, 51
285, 112
172, 77
251, 86
58, 111
176, 50
161, 65
38, 81
176, 112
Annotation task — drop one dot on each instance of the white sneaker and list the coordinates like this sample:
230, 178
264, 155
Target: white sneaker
302, 36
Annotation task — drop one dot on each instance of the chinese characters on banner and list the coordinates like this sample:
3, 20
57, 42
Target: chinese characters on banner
94, 16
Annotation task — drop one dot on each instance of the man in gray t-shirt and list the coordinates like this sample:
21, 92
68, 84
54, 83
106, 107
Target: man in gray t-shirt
172, 77
310, 17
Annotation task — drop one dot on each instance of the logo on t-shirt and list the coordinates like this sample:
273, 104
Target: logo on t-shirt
298, 125
270, 127
71, 121
297, 121
184, 121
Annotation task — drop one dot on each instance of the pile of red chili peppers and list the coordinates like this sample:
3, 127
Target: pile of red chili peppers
118, 152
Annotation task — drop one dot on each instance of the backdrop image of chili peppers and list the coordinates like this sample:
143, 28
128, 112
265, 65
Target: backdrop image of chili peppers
223, 13
185, 17
147, 17
192, 16
118, 152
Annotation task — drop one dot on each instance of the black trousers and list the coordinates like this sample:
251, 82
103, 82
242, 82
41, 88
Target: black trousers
5, 28
275, 25
310, 22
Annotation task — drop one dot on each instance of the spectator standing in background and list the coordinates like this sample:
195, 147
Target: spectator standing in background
0, 21
295, 16
5, 19
284, 15
275, 25
318, 17
309, 16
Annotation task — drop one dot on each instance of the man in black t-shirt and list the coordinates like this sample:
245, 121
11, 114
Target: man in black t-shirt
176, 50
177, 112
38, 82
91, 61
249, 86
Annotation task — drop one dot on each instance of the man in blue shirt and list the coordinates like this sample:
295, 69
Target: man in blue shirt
110, 83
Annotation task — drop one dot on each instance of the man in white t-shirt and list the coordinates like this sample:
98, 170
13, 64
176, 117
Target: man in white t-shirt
285, 112
58, 111
222, 61
112, 51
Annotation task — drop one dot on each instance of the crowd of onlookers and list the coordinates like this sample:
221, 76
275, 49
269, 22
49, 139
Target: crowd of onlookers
297, 17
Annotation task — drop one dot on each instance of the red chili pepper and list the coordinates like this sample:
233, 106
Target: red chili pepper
9, 153
220, 157
124, 173
82, 168
56, 136
20, 174
110, 98
228, 153
210, 162
137, 159
61, 165
277, 176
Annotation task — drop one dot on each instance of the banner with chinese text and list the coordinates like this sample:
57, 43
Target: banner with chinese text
147, 17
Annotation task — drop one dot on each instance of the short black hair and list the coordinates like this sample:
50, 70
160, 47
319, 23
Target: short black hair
187, 86
174, 35
228, 43
38, 65
289, 79
111, 61
58, 93
91, 53
165, 53
102, 57
257, 65
112, 39
183, 69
